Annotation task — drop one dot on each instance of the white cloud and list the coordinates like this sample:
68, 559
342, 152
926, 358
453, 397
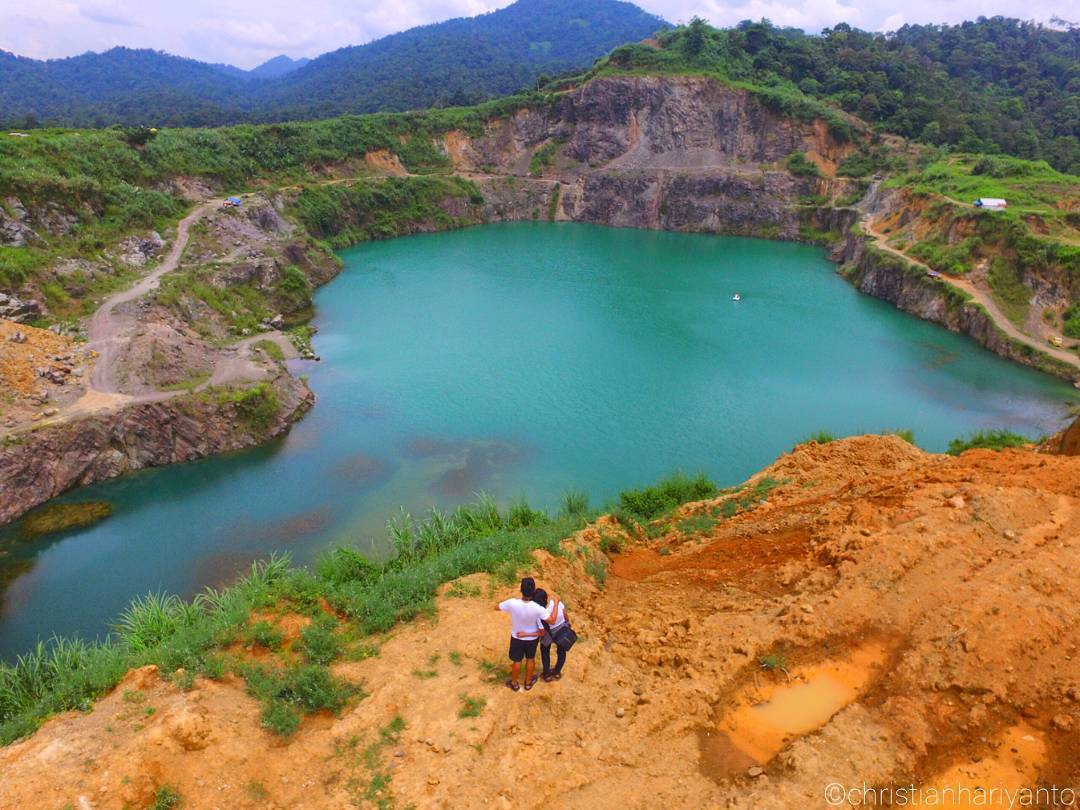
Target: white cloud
247, 32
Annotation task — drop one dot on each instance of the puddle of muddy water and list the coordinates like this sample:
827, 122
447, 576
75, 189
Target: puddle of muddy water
765, 719
1013, 766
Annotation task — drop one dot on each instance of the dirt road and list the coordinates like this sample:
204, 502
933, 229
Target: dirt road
980, 296
108, 330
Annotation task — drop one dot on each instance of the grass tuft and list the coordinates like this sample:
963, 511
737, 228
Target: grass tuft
677, 489
987, 440
471, 706
167, 797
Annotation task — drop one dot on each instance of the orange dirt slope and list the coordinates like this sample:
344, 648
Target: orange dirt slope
885, 616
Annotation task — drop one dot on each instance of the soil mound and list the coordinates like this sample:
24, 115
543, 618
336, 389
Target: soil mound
860, 613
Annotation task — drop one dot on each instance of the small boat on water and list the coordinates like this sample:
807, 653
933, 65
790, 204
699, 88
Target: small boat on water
736, 297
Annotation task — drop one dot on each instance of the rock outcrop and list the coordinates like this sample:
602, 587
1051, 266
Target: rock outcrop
667, 153
46, 462
910, 289
18, 310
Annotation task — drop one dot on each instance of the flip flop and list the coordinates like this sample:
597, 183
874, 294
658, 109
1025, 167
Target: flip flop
548, 677
556, 676
530, 683
514, 685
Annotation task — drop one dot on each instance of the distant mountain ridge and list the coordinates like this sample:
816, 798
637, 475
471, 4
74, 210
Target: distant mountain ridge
453, 62
278, 66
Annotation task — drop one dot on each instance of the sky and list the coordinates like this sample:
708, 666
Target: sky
245, 33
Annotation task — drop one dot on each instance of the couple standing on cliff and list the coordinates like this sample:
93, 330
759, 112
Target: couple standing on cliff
536, 619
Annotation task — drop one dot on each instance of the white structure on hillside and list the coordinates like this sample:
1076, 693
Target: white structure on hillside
993, 203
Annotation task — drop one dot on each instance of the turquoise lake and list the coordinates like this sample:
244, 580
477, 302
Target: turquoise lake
524, 360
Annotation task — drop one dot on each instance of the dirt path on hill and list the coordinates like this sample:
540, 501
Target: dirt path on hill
979, 295
882, 617
107, 328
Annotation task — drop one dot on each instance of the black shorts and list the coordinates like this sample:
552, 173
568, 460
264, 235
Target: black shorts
522, 648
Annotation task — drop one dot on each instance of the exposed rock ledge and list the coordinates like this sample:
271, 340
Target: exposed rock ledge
909, 289
52, 460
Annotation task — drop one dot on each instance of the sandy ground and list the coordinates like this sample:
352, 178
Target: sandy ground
886, 617
24, 394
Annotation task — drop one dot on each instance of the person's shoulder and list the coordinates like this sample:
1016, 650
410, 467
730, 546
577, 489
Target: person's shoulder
508, 603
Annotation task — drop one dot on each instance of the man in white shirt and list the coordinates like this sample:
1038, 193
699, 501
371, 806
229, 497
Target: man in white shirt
525, 617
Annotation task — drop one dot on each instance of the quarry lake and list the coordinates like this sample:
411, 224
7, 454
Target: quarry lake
525, 360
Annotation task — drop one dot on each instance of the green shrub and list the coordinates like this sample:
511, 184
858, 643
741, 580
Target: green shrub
544, 156
553, 202
344, 564
799, 164
287, 693
597, 568
271, 349
257, 406
610, 544
318, 641
1009, 290
575, 503
471, 706
280, 718
987, 440
152, 618
821, 437
698, 524
383, 208
167, 797
1072, 321
264, 634
673, 491
858, 164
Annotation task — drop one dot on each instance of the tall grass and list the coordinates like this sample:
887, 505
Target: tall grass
987, 440
676, 489
161, 629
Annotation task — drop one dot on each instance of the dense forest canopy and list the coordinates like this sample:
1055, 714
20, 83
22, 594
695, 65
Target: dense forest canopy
455, 62
994, 85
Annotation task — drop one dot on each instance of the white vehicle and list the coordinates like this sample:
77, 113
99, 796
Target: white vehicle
992, 203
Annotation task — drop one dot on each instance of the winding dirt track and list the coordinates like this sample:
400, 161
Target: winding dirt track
107, 329
980, 296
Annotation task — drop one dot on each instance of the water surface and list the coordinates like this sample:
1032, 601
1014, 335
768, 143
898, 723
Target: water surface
526, 359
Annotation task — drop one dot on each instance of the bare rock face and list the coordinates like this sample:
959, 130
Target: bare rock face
135, 251
15, 230
909, 289
648, 123
52, 460
20, 311
685, 154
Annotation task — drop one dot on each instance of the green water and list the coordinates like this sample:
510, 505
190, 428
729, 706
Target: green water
525, 359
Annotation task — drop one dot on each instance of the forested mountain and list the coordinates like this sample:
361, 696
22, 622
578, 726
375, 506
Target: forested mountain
120, 85
986, 86
991, 85
278, 66
451, 62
